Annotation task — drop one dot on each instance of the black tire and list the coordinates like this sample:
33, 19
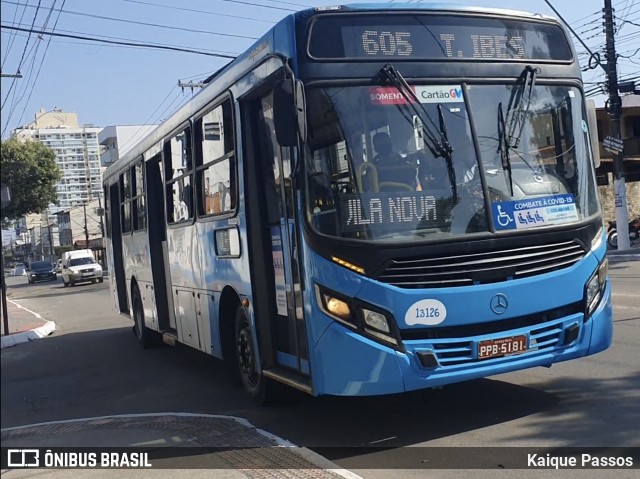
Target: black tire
259, 387
146, 337
100, 280
612, 239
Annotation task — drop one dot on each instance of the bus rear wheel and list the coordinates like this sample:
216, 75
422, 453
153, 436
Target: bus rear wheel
254, 383
146, 337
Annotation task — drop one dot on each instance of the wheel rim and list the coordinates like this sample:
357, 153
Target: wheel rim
246, 358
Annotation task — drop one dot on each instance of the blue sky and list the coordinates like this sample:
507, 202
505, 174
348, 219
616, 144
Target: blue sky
112, 85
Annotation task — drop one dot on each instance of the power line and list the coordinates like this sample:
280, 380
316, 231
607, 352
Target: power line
258, 5
206, 12
33, 85
12, 36
289, 3
134, 40
114, 42
13, 82
146, 24
23, 91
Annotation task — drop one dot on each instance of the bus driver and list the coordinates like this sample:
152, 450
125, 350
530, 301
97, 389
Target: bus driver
392, 167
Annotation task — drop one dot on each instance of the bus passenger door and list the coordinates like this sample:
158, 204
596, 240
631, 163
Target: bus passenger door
158, 243
116, 247
271, 217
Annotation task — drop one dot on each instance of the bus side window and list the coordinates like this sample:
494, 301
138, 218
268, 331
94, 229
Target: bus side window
125, 200
178, 174
215, 156
268, 166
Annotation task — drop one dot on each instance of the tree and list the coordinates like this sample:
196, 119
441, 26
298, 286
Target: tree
30, 170
60, 250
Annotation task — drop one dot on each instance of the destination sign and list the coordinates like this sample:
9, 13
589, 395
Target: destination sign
435, 36
392, 210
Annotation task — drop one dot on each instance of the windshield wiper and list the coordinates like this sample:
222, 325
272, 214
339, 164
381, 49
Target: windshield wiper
503, 147
516, 114
439, 148
511, 125
444, 140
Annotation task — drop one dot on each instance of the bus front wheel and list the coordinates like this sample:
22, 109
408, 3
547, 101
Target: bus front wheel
254, 383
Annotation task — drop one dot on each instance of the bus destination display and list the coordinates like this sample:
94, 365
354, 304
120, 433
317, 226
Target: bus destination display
435, 37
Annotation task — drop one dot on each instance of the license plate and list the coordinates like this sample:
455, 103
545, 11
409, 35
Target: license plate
87, 274
502, 347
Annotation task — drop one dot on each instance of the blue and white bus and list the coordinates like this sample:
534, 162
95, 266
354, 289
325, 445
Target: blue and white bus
373, 199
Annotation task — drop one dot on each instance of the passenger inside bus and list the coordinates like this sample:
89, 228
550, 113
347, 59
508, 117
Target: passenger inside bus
394, 171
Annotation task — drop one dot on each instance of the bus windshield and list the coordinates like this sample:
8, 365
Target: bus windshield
389, 166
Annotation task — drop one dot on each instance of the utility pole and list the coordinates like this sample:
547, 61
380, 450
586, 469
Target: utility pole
5, 193
86, 230
190, 85
41, 243
50, 237
101, 216
615, 110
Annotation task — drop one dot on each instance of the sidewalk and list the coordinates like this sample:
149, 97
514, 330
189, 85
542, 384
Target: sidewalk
24, 325
194, 445
615, 256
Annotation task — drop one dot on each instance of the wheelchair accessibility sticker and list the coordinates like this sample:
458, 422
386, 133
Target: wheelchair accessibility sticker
534, 212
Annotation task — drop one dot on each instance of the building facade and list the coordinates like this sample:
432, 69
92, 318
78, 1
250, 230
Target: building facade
77, 154
630, 135
78, 224
115, 141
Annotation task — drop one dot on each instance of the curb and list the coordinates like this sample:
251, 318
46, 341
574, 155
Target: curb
616, 258
40, 332
327, 468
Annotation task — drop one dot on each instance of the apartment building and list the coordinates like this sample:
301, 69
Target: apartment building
115, 141
77, 154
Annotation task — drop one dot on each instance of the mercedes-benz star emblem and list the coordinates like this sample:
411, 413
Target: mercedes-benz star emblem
499, 303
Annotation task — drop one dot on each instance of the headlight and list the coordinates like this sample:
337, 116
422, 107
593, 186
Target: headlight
360, 316
376, 320
593, 289
334, 305
376, 324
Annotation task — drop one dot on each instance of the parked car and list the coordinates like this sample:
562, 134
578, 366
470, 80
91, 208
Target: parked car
80, 265
41, 271
19, 270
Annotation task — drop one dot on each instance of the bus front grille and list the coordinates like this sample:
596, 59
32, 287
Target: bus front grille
455, 352
481, 268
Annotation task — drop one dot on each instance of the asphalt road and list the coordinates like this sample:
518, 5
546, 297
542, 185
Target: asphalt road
92, 366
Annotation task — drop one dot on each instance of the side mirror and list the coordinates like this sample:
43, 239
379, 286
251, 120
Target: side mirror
593, 131
289, 112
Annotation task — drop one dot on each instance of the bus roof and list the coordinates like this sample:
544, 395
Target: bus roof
452, 7
235, 69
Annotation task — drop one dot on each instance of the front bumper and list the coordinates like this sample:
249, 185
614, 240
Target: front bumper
87, 276
355, 365
42, 277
